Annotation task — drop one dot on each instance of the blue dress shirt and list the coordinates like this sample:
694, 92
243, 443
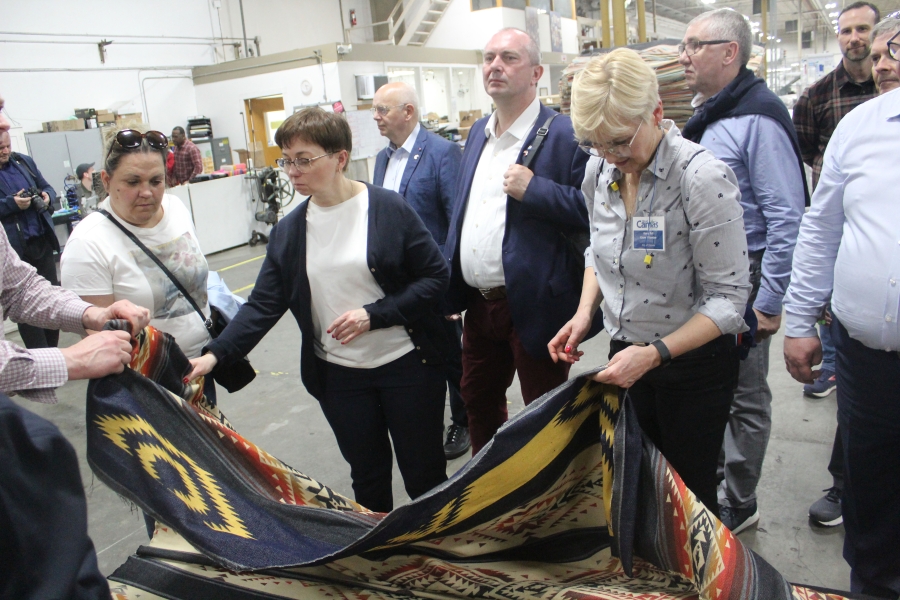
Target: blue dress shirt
759, 152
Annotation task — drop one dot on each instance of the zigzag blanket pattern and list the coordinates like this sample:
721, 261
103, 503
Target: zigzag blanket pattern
568, 501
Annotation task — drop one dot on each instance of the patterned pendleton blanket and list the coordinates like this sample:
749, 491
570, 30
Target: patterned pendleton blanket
568, 501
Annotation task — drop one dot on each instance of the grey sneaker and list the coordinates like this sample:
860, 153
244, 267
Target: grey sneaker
826, 511
739, 519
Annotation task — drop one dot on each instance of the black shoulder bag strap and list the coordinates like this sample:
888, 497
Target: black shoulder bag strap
187, 296
538, 140
577, 242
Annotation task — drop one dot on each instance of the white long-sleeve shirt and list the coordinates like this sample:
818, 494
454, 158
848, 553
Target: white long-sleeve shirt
849, 243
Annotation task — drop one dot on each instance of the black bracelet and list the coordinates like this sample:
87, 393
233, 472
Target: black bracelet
663, 352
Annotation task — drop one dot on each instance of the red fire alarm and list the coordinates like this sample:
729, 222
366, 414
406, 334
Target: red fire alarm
352, 17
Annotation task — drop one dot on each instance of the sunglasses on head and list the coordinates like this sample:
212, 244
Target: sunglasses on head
131, 139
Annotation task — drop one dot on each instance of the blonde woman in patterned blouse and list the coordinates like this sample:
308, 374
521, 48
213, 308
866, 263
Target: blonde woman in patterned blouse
667, 263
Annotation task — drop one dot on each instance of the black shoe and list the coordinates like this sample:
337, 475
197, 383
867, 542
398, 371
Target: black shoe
458, 441
826, 511
738, 519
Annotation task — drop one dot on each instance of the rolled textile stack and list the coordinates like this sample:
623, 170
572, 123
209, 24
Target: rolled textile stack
663, 57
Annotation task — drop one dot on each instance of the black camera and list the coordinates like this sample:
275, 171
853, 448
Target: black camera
37, 200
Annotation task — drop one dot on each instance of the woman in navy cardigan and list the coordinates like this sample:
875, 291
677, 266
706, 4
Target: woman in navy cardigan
362, 277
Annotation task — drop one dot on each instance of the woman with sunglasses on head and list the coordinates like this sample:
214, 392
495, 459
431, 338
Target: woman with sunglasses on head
667, 263
362, 276
102, 264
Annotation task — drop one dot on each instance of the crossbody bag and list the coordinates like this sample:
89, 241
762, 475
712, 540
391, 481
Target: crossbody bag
239, 373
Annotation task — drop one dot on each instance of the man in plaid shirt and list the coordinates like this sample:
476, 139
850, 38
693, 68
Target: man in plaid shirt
188, 163
816, 114
823, 104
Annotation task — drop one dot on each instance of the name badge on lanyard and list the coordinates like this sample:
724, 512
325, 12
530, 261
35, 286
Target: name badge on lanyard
649, 233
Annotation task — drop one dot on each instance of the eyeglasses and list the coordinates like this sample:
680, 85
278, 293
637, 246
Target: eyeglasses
693, 47
301, 164
131, 139
620, 150
894, 43
383, 110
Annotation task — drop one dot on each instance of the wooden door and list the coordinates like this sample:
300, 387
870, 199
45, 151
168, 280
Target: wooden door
261, 114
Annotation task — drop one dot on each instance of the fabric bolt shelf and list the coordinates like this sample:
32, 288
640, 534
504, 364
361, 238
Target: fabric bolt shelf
569, 500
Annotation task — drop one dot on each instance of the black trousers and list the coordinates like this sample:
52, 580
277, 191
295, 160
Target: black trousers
458, 415
869, 422
368, 409
39, 255
683, 408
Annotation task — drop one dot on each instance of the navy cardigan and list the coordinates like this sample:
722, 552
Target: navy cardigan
403, 258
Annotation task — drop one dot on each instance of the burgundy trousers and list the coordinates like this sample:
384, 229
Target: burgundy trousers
492, 353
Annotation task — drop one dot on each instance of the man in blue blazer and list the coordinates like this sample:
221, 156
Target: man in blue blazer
423, 167
26, 217
515, 265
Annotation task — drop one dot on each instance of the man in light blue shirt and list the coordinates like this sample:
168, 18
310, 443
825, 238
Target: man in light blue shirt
849, 250
748, 128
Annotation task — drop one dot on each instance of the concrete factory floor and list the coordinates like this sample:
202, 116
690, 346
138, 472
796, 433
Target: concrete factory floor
276, 412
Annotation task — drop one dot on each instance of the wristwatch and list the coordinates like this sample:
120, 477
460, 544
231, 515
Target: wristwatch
663, 352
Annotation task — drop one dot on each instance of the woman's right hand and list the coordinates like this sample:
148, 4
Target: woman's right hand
564, 345
202, 365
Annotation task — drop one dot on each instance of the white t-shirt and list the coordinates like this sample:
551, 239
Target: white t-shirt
340, 280
99, 260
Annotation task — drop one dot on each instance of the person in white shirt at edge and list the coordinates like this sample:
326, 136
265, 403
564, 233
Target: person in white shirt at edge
849, 251
363, 277
667, 260
102, 265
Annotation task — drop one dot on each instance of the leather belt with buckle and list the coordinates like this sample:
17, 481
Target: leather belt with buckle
494, 293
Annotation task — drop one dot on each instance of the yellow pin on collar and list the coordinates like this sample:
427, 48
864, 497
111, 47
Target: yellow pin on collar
614, 186
648, 259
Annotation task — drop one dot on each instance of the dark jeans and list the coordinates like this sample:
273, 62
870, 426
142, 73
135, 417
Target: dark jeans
39, 255
492, 353
684, 407
454, 376
869, 421
368, 409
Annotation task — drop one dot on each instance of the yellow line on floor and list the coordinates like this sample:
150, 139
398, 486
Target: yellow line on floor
243, 289
241, 263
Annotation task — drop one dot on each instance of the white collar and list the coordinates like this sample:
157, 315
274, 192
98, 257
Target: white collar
410, 142
521, 127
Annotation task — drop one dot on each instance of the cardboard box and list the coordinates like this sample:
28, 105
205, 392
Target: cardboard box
105, 111
106, 118
464, 132
66, 125
129, 120
467, 118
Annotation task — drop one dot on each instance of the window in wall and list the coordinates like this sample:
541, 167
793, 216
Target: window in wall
462, 91
405, 74
435, 99
514, 4
564, 8
480, 4
274, 119
540, 4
